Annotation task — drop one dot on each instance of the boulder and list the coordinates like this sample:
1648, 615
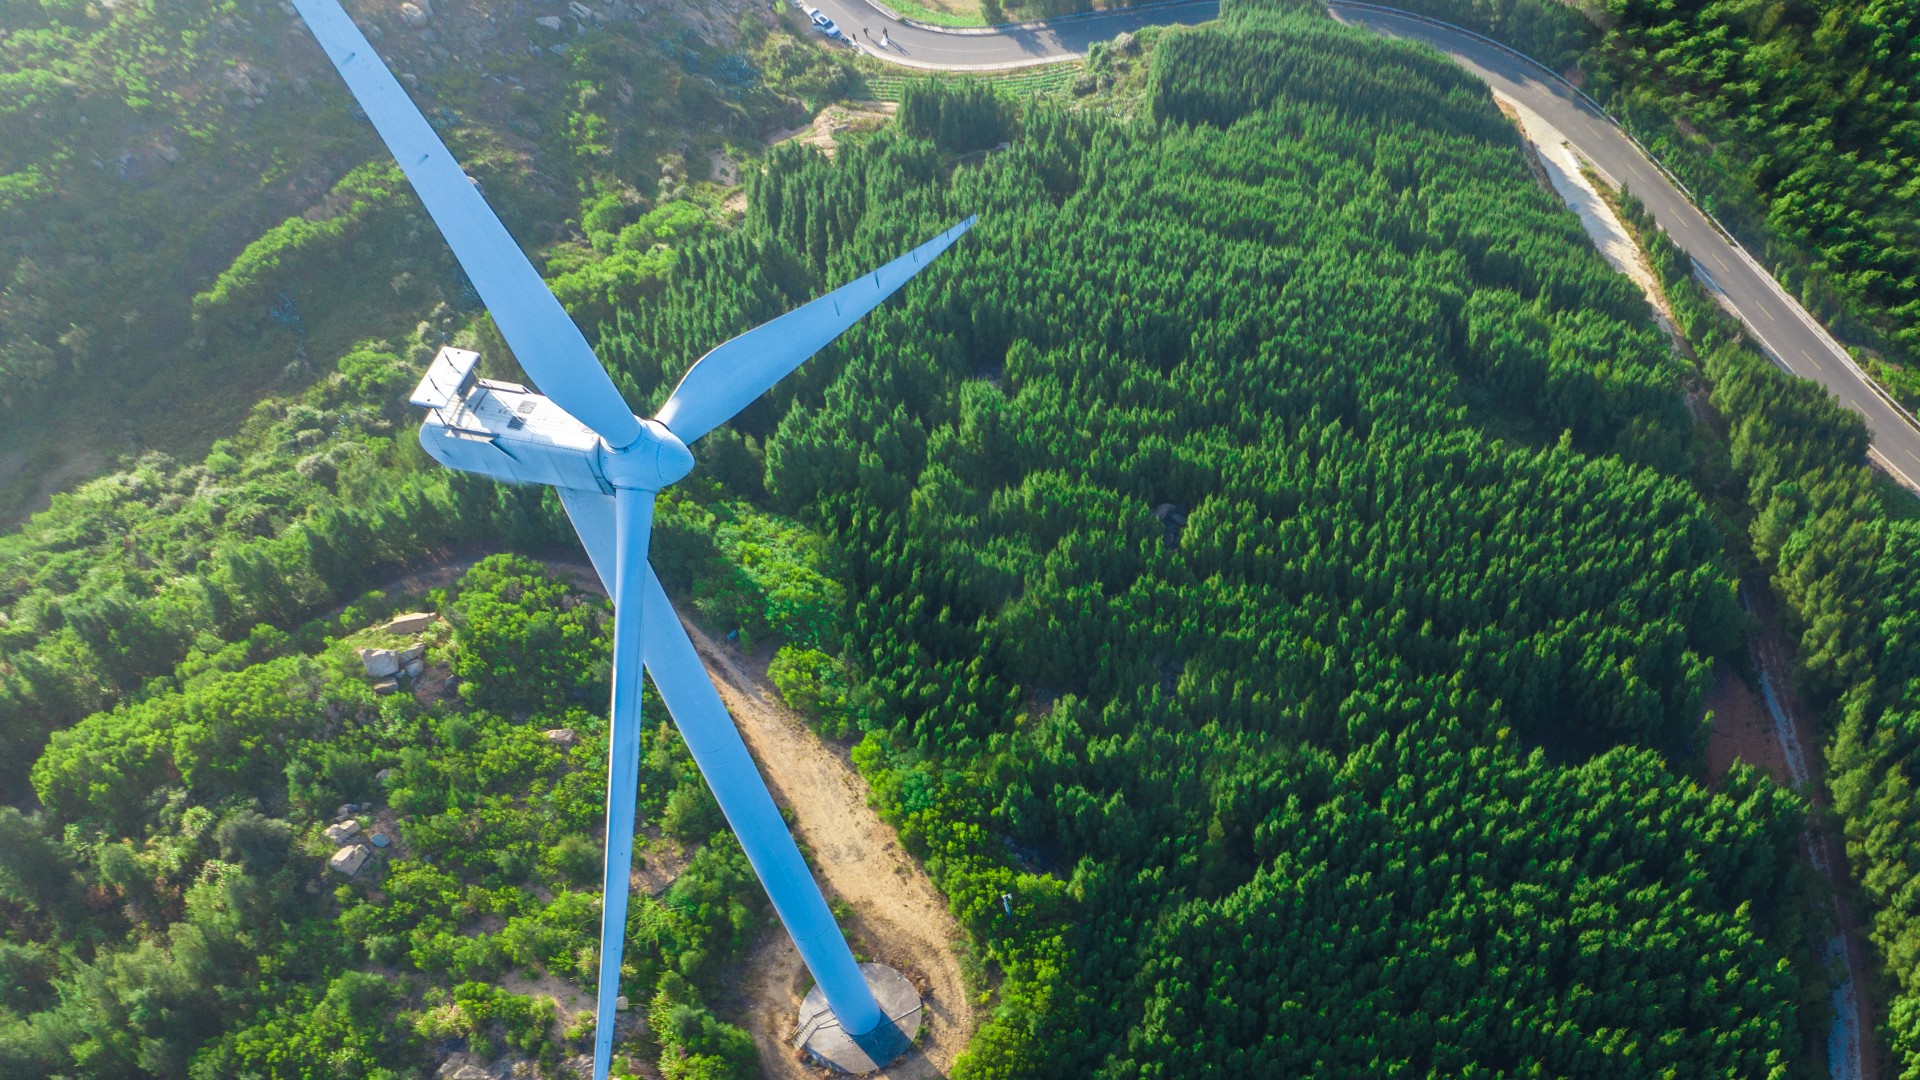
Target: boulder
386, 686
343, 832
413, 652
380, 663
348, 860
551, 22
561, 737
344, 811
382, 777
413, 668
413, 14
379, 839
461, 1067
411, 623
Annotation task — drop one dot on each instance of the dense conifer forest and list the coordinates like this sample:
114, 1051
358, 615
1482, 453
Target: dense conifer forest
1273, 552
1796, 123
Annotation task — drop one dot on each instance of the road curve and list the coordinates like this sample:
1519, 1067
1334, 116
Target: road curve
1785, 329
917, 45
1795, 340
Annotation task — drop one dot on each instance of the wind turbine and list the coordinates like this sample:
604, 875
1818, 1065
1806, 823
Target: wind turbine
609, 465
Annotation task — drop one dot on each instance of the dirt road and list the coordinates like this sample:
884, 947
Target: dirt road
898, 917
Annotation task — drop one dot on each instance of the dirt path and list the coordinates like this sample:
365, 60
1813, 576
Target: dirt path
1742, 730
899, 918
1852, 1051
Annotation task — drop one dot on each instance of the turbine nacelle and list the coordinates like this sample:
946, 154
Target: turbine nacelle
508, 432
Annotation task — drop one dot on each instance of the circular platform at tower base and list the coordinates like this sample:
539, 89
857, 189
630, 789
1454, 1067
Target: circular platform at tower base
823, 1040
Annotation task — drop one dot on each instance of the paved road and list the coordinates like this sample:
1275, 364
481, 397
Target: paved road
985, 50
1774, 318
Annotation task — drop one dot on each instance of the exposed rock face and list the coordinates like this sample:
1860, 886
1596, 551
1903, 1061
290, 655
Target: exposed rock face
380, 663
411, 623
343, 832
348, 860
461, 1065
561, 737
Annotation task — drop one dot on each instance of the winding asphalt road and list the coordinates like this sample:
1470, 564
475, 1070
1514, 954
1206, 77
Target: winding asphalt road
916, 45
1795, 340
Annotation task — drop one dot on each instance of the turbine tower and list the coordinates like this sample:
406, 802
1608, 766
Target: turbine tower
609, 465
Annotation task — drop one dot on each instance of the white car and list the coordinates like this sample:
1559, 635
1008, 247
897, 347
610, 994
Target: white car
822, 23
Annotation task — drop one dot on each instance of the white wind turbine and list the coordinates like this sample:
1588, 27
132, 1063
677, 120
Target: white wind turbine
609, 465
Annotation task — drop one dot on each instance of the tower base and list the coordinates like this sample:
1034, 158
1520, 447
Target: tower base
823, 1040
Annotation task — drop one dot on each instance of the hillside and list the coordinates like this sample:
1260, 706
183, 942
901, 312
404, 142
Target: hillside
193, 214
1270, 571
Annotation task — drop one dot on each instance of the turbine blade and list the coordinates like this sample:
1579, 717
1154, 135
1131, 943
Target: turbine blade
717, 749
543, 338
729, 378
633, 520
592, 514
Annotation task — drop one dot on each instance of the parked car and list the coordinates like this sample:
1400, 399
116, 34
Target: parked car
822, 23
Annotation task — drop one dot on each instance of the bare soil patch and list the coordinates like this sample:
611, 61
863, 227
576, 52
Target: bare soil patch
1741, 729
834, 121
899, 918
657, 864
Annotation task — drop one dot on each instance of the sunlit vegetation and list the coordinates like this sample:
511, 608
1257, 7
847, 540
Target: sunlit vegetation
1266, 572
1840, 558
1801, 121
193, 215
1192, 587
164, 909
1797, 124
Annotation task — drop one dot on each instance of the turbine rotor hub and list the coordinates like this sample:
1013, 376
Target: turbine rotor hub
650, 463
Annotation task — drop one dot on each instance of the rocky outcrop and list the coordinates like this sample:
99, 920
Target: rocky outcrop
348, 860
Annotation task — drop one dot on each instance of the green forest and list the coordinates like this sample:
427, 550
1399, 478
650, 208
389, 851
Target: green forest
1273, 550
1796, 123
122, 125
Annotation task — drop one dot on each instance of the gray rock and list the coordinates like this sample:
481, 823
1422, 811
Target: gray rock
561, 737
411, 623
382, 777
344, 811
380, 663
413, 669
413, 14
343, 832
379, 839
551, 22
386, 686
413, 652
348, 860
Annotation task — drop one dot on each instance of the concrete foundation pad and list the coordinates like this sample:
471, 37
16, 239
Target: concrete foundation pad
827, 1043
